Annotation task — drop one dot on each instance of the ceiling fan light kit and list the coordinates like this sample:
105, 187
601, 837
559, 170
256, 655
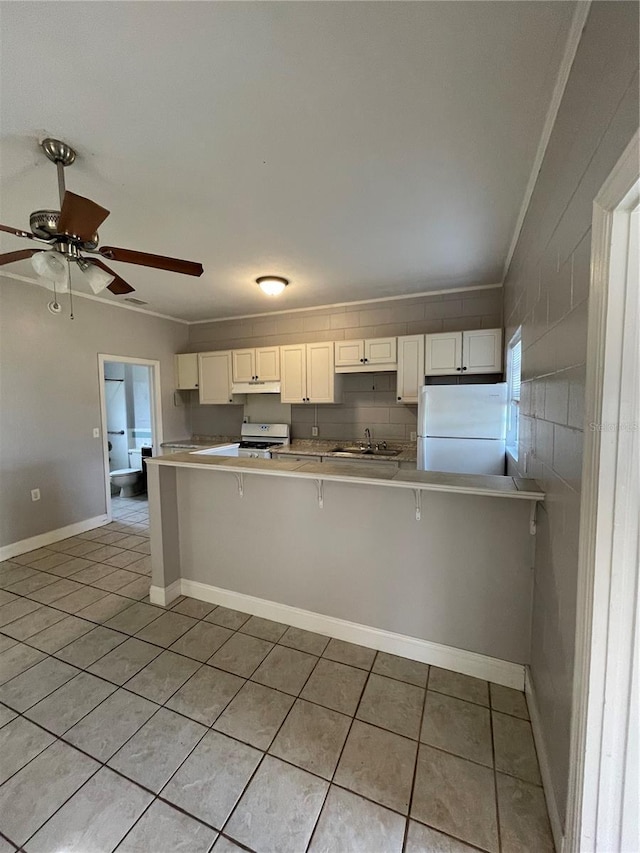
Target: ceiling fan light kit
72, 232
272, 285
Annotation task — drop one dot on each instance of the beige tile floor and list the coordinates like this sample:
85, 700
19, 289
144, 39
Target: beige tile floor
129, 727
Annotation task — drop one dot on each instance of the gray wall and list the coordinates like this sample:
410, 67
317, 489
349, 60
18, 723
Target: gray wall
546, 292
50, 402
368, 399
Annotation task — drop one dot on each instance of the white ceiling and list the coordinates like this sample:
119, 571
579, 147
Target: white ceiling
360, 149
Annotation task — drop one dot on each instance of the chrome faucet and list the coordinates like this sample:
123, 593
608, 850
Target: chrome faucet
367, 435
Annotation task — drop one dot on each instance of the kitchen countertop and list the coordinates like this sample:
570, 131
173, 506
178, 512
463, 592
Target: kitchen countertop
323, 447
366, 472
200, 441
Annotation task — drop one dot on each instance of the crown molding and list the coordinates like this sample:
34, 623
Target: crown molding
578, 22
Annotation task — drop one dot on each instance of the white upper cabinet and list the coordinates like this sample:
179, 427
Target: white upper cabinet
361, 356
262, 363
482, 351
187, 371
410, 368
443, 354
450, 353
307, 373
214, 369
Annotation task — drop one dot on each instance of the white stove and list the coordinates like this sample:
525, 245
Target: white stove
256, 441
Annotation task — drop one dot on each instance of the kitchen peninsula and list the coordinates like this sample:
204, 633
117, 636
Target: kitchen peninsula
432, 566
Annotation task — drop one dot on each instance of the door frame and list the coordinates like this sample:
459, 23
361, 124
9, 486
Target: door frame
156, 411
608, 575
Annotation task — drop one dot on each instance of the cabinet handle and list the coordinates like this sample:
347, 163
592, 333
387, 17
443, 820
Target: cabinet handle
366, 360
362, 361
399, 398
196, 385
458, 368
464, 368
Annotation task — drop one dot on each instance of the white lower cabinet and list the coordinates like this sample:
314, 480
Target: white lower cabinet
214, 369
410, 368
307, 373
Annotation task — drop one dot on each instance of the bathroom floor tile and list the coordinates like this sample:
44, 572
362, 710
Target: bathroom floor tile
201, 641
379, 765
279, 808
350, 654
166, 629
402, 669
524, 824
241, 654
210, 782
102, 732
162, 677
206, 694
125, 660
456, 797
91, 647
515, 750
509, 701
264, 629
335, 686
392, 705
350, 823
312, 738
461, 686
30, 797
285, 669
458, 727
20, 741
226, 617
421, 838
35, 683
163, 829
254, 715
63, 708
156, 751
304, 641
97, 817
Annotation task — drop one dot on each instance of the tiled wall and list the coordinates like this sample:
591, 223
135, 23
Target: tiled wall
369, 399
546, 292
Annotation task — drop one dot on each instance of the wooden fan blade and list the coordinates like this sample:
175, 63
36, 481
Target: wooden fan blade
160, 262
118, 286
80, 216
11, 257
18, 232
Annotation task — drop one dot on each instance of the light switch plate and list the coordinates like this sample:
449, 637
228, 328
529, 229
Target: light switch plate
413, 436
314, 431
96, 432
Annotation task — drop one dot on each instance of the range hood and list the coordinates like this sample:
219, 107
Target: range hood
255, 388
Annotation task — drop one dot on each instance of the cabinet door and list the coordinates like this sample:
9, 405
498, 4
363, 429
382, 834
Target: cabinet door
349, 353
410, 367
293, 367
268, 364
187, 371
244, 365
320, 373
380, 351
215, 377
443, 354
482, 351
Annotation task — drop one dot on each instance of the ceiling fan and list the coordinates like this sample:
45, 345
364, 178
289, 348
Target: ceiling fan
71, 235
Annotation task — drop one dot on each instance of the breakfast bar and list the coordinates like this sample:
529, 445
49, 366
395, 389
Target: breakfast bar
433, 566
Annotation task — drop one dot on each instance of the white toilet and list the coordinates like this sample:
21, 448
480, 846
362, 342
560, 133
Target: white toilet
128, 480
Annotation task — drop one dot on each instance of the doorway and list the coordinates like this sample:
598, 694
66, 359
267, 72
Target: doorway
131, 423
602, 810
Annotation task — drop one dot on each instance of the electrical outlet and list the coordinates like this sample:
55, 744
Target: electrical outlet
96, 432
413, 436
35, 494
314, 431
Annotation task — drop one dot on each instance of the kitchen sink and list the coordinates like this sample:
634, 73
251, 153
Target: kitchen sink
358, 452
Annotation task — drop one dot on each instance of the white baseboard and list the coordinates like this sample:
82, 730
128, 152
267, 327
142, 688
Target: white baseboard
164, 595
51, 536
543, 761
468, 663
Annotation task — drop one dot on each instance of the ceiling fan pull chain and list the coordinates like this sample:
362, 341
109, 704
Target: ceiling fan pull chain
71, 317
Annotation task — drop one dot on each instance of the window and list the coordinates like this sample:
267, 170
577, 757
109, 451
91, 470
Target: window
514, 365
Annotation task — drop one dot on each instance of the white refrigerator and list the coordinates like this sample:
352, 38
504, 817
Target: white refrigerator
462, 428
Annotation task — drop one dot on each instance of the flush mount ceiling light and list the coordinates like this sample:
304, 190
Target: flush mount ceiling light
53, 267
272, 285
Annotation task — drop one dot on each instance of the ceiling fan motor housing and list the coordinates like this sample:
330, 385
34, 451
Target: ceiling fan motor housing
44, 224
